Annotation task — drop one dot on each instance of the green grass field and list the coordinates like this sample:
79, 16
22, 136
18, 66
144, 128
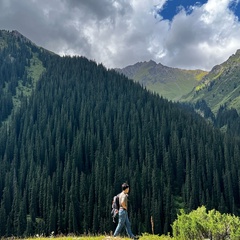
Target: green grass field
143, 237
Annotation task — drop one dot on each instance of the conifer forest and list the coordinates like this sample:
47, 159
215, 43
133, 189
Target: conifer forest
83, 131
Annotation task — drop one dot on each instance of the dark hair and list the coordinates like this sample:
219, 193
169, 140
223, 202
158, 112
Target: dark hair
125, 186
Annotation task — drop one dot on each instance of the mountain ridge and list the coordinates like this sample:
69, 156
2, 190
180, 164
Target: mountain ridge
220, 87
171, 83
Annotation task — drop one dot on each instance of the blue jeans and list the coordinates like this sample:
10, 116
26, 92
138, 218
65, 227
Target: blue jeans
123, 220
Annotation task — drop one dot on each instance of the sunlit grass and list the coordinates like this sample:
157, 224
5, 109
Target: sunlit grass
200, 76
69, 238
102, 237
79, 238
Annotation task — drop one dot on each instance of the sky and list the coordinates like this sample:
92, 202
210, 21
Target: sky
176, 33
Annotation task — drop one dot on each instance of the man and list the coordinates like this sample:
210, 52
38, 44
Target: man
123, 219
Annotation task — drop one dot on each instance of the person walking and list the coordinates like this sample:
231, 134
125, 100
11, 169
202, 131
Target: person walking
123, 219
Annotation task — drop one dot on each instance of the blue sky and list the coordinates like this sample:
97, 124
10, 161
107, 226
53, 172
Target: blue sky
177, 33
172, 7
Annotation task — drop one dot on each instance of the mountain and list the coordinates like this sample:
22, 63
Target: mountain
171, 83
214, 95
22, 64
78, 131
220, 87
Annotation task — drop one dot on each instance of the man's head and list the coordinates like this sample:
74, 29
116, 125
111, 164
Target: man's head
125, 187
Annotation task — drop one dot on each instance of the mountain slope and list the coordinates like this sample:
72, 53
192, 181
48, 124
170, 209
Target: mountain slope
171, 83
221, 87
21, 65
83, 131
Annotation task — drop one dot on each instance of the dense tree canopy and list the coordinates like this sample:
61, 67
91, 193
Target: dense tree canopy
84, 131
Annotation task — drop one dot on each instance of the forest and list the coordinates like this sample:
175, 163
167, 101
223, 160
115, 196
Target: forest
84, 131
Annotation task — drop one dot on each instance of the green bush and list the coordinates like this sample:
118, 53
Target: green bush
200, 224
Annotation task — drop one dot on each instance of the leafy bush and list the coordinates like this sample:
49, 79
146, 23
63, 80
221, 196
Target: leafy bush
200, 224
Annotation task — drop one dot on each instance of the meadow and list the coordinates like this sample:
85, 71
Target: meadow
102, 237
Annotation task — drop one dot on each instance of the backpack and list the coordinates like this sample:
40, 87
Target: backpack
115, 207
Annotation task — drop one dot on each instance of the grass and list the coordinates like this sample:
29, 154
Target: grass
172, 90
145, 236
34, 71
78, 238
200, 76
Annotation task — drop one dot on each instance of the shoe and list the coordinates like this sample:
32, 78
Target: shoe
135, 237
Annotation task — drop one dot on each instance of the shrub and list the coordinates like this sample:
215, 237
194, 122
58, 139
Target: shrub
200, 224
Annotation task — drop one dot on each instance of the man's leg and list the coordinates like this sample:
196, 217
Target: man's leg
128, 227
121, 222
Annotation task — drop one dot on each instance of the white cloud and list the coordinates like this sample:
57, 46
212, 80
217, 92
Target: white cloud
204, 38
122, 32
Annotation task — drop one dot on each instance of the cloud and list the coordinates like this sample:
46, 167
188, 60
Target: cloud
47, 23
207, 36
118, 33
